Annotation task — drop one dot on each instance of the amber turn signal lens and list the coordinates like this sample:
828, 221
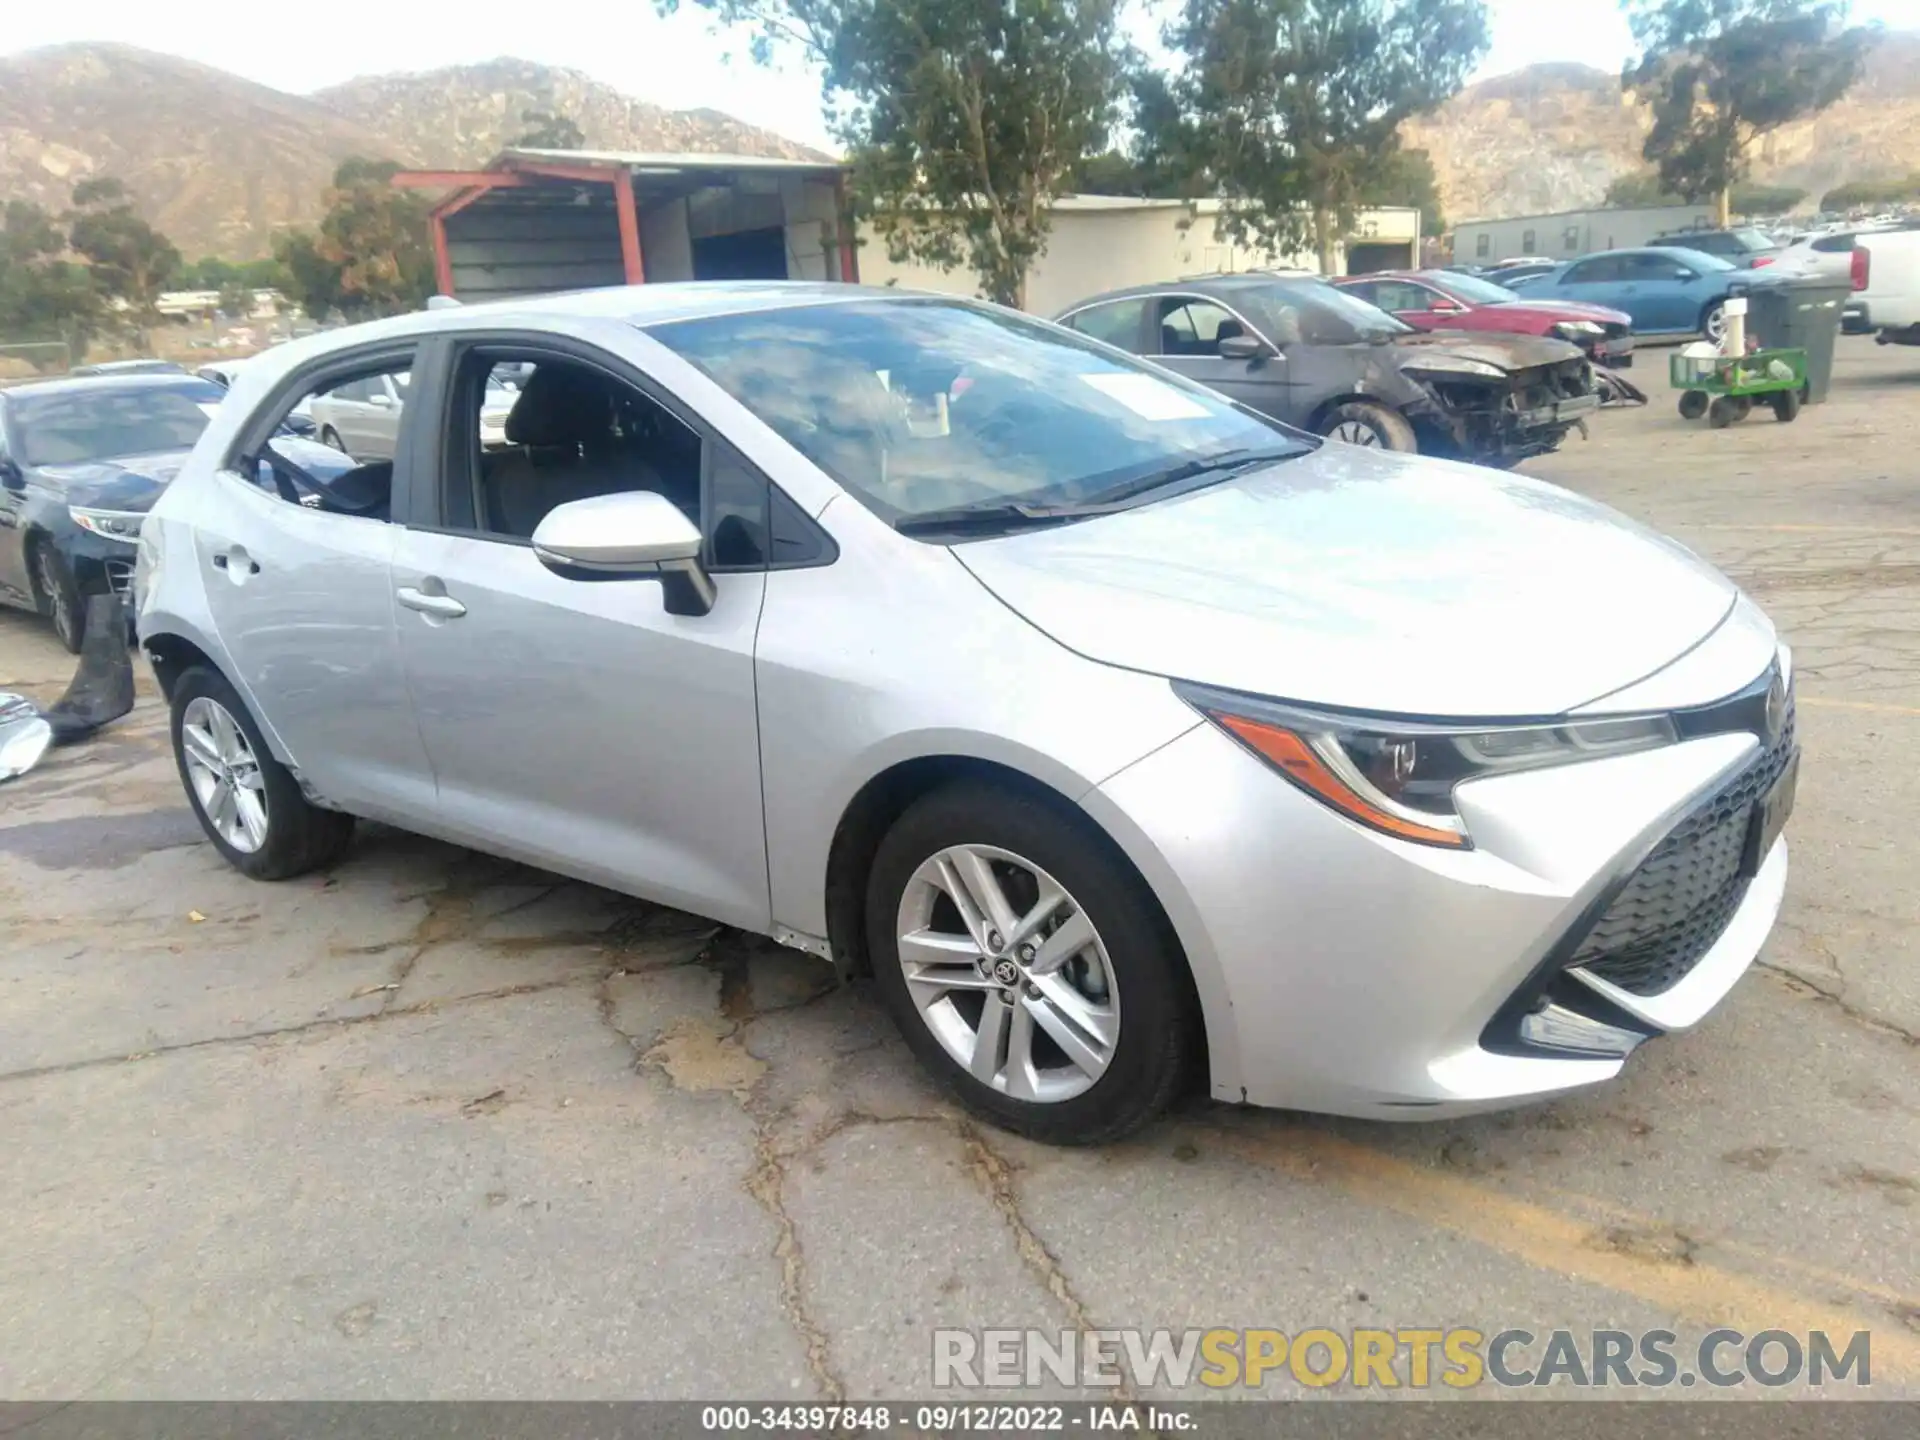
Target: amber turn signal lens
1296, 760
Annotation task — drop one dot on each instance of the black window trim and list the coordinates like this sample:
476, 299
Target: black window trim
264, 423
429, 484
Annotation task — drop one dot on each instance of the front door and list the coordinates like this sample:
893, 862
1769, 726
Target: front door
1190, 328
574, 722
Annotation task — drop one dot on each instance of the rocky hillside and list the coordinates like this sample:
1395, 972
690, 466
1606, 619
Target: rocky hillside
1551, 137
219, 163
466, 114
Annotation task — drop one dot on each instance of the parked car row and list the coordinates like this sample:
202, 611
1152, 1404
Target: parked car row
1311, 355
1114, 728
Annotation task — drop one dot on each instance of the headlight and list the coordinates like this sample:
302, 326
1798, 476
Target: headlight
1569, 329
1398, 777
1455, 365
113, 524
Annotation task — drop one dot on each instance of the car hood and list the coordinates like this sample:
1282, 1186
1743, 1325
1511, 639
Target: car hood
1368, 581
130, 482
1509, 352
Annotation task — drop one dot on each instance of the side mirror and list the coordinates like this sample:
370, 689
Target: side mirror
637, 535
1243, 347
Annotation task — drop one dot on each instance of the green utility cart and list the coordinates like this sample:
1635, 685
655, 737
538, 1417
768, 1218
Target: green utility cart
1724, 387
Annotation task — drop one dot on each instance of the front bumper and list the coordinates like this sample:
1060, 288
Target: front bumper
1347, 972
99, 565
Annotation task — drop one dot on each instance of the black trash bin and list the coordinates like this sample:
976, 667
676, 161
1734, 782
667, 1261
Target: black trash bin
1803, 314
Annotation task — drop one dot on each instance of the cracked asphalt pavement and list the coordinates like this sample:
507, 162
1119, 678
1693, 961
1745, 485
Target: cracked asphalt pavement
434, 1125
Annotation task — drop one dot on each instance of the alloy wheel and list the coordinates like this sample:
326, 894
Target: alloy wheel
54, 588
1715, 326
225, 774
1008, 973
1357, 432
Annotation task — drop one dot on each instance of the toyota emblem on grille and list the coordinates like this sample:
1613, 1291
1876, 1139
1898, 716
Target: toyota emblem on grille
1776, 708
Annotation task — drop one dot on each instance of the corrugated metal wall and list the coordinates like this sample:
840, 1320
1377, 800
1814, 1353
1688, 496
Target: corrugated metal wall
521, 242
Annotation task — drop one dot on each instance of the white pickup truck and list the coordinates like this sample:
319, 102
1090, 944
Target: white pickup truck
1889, 300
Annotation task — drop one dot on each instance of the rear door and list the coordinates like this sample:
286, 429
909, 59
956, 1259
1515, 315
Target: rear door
1186, 331
302, 599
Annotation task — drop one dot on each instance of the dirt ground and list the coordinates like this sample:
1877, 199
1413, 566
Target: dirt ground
434, 1125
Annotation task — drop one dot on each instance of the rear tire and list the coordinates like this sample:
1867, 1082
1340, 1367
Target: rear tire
1128, 979
293, 836
1723, 412
1373, 427
53, 578
1786, 406
1713, 321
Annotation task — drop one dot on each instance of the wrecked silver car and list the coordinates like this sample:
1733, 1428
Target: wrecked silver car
1314, 357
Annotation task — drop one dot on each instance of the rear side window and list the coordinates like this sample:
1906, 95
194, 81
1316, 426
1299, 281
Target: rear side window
1117, 323
1833, 244
1590, 272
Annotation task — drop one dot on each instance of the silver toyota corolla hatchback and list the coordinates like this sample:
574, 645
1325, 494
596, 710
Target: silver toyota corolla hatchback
1117, 731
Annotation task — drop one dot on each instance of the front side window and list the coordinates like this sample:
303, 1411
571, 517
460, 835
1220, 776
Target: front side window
917, 406
1594, 272
1195, 327
80, 426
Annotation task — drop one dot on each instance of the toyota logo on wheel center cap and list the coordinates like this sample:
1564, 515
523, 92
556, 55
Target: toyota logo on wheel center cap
1005, 971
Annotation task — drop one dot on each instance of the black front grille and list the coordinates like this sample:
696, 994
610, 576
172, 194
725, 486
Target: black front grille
1683, 895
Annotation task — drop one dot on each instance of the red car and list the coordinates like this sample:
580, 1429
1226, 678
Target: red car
1447, 300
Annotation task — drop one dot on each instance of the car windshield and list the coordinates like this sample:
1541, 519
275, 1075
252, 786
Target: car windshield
1317, 313
75, 427
925, 406
1472, 288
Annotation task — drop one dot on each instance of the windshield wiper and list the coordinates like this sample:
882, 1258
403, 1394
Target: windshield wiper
1019, 515
998, 515
1219, 464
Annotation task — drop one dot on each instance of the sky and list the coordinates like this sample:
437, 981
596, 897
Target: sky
677, 61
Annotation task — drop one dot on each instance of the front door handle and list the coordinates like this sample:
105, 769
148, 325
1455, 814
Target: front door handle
443, 607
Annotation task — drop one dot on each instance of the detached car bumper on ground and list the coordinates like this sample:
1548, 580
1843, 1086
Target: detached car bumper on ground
1109, 727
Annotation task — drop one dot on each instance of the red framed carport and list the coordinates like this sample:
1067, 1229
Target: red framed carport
525, 171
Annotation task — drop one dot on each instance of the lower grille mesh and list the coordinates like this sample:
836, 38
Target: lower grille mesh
1684, 894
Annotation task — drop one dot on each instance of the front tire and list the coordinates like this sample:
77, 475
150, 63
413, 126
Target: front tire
1693, 404
1027, 967
53, 578
247, 802
1373, 427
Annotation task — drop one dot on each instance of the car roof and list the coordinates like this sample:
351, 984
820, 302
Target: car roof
79, 384
1224, 285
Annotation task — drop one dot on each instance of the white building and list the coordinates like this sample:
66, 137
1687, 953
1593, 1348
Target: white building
1568, 233
1105, 242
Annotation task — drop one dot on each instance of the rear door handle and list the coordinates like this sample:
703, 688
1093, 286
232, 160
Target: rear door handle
235, 560
445, 607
